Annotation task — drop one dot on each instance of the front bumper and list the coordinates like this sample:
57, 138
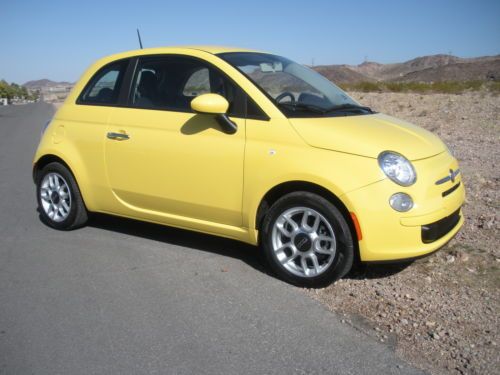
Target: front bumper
434, 220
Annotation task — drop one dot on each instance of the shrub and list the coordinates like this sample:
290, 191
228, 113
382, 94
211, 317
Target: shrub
448, 87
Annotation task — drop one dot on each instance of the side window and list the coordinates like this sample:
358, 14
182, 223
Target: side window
170, 83
104, 87
198, 83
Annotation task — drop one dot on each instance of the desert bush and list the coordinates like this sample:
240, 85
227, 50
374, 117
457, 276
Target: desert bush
449, 87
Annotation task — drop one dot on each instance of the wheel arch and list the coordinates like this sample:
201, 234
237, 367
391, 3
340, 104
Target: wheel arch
51, 158
45, 160
284, 188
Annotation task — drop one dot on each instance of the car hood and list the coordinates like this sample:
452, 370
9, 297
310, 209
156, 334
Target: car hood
368, 135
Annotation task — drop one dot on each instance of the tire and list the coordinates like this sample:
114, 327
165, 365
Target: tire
323, 235
60, 202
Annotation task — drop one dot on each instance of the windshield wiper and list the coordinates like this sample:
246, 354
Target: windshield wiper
297, 106
348, 108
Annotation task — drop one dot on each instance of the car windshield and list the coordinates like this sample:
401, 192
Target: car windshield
297, 90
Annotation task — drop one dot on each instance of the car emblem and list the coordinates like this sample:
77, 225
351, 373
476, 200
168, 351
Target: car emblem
453, 174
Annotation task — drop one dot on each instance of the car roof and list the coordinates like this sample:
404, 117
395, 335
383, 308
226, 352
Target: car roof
205, 48
172, 49
215, 49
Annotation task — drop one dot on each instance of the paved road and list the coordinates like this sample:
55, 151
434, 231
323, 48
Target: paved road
122, 297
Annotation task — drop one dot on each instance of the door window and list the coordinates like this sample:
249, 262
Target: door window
170, 83
198, 83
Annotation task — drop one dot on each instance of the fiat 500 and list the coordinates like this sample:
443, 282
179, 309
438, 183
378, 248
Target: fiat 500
250, 146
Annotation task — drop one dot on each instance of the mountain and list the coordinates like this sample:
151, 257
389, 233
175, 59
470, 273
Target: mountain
44, 83
421, 69
463, 71
342, 74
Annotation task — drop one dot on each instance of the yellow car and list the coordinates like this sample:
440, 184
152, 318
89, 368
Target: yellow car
250, 146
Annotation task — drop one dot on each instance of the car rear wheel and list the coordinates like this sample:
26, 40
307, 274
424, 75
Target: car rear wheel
306, 240
59, 200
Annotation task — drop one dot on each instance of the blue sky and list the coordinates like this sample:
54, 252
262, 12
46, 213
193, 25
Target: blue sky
59, 39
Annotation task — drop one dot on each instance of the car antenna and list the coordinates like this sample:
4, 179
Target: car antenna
139, 36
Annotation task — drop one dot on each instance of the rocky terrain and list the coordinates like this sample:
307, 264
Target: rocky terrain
436, 68
45, 84
441, 312
342, 74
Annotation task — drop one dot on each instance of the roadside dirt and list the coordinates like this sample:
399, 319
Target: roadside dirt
441, 312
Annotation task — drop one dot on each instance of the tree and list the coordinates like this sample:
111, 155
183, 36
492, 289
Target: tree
13, 90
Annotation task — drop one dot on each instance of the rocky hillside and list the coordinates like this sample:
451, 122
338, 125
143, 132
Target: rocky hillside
421, 69
469, 71
44, 83
342, 74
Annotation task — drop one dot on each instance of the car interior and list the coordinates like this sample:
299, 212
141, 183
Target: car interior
173, 84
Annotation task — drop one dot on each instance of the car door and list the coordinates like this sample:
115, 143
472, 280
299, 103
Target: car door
165, 162
82, 131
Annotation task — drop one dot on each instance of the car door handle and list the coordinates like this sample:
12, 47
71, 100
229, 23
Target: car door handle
118, 136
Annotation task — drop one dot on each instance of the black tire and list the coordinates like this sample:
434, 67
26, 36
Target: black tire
344, 254
77, 216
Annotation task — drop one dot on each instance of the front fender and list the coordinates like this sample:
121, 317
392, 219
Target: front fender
339, 173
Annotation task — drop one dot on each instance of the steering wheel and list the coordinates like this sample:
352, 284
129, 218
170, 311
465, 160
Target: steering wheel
283, 95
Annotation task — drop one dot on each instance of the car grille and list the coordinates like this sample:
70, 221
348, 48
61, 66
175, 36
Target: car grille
434, 231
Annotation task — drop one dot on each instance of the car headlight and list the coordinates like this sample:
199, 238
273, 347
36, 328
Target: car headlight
397, 168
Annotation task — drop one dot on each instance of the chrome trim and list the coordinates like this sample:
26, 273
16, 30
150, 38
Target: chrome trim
453, 174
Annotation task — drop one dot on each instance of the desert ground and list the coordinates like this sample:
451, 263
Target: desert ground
440, 312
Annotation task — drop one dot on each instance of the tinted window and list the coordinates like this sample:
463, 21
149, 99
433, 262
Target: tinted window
198, 83
254, 111
172, 82
104, 87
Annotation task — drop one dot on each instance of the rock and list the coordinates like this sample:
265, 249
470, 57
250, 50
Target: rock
450, 259
434, 335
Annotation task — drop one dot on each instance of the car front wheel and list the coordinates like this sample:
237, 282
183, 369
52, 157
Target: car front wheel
306, 240
59, 200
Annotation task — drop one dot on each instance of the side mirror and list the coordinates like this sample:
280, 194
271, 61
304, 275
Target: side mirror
215, 104
210, 103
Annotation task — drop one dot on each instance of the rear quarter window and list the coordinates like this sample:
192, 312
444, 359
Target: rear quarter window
104, 87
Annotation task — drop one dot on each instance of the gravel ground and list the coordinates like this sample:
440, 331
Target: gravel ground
440, 312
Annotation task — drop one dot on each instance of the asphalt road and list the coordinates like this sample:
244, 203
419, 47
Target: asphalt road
123, 297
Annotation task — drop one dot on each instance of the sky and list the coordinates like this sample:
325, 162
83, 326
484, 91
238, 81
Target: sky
58, 40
